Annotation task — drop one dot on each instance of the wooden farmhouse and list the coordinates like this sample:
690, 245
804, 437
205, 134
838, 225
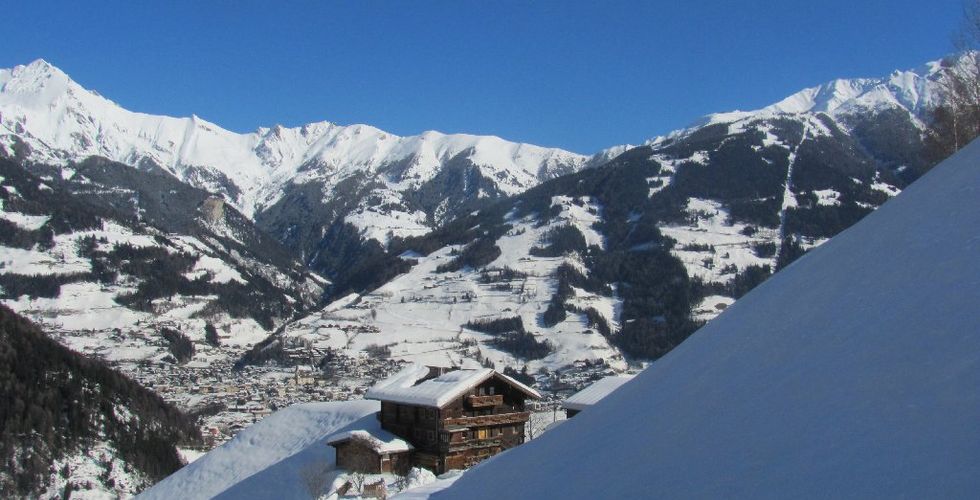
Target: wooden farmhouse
439, 420
592, 394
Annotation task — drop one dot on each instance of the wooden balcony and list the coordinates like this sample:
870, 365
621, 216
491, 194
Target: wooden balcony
472, 444
485, 401
483, 420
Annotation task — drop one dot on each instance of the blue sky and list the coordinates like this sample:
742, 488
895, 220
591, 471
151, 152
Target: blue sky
577, 75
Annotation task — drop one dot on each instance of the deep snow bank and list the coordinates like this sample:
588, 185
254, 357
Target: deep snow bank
269, 456
855, 372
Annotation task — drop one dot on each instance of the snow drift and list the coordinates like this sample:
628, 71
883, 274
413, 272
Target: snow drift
852, 373
268, 459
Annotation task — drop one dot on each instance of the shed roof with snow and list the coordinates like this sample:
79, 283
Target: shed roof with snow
412, 386
594, 393
380, 440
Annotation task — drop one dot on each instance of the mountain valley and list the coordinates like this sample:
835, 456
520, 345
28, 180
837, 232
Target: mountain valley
235, 274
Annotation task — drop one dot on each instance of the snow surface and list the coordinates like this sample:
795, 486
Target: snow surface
85, 315
96, 472
24, 221
852, 373
266, 460
710, 245
422, 492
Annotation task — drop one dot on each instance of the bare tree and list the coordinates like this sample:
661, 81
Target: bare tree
356, 480
539, 422
956, 115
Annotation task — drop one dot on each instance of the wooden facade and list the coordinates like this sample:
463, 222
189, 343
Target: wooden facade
488, 418
359, 455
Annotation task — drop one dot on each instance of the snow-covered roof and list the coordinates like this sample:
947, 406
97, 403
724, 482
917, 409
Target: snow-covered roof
595, 392
404, 387
850, 373
380, 440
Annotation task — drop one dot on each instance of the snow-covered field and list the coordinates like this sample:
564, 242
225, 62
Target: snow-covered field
91, 472
714, 248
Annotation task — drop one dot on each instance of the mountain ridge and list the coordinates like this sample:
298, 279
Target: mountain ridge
271, 155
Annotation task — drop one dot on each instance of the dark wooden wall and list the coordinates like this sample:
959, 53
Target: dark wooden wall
356, 456
425, 427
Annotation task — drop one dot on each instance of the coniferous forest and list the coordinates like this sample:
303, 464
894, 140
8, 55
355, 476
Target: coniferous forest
55, 403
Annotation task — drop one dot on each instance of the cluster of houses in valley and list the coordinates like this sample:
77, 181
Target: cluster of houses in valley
229, 400
444, 419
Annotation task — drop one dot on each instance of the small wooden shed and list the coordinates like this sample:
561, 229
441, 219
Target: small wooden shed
372, 452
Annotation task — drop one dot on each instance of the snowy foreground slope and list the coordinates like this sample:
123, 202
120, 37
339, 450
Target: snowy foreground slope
853, 373
267, 460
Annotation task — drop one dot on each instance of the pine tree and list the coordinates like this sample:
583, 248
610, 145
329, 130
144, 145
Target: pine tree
211, 335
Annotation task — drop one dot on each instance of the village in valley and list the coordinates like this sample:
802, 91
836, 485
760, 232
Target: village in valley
225, 398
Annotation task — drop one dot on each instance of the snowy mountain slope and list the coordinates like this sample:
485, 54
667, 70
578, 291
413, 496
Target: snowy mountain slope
684, 227
851, 374
884, 116
422, 315
107, 268
616, 261
859, 137
267, 459
734, 201
336, 196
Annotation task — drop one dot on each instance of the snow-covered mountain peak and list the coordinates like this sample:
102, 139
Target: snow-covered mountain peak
36, 84
37, 72
911, 91
825, 98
